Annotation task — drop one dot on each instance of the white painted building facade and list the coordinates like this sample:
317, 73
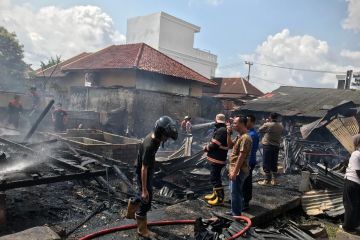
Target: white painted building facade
173, 37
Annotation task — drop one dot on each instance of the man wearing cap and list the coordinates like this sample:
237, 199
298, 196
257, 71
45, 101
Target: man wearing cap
216, 155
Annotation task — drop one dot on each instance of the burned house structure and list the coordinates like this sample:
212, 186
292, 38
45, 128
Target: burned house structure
133, 82
302, 105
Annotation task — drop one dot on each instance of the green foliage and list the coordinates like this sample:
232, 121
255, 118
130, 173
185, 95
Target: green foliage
51, 62
12, 66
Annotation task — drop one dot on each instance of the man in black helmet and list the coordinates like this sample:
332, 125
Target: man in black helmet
164, 129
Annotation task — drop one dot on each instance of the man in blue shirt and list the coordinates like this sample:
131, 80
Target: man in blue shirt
247, 188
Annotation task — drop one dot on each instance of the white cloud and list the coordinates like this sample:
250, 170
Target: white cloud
352, 22
305, 52
354, 55
51, 30
215, 2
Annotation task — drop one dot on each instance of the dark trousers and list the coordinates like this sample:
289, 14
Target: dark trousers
247, 187
215, 175
270, 158
351, 199
14, 119
144, 206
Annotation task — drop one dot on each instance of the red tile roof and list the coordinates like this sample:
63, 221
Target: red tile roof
139, 56
235, 88
55, 71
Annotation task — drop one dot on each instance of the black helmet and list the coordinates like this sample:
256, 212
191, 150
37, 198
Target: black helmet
167, 127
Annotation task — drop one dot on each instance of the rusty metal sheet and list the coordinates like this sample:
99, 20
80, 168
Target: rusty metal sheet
341, 132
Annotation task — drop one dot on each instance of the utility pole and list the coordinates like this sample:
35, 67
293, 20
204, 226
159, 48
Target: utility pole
250, 64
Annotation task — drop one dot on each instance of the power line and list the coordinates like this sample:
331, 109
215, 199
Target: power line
298, 69
266, 80
284, 67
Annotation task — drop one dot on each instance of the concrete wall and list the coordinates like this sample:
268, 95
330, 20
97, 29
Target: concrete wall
196, 90
174, 37
176, 34
162, 83
125, 78
5, 97
142, 107
144, 29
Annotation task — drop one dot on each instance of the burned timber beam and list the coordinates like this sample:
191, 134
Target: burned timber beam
51, 179
56, 161
40, 118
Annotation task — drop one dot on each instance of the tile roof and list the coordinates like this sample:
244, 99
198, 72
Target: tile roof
232, 88
139, 56
55, 71
302, 101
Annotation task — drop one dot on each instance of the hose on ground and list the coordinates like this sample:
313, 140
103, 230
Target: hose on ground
165, 223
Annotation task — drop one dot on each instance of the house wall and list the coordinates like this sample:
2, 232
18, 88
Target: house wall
196, 90
162, 83
123, 78
174, 37
144, 29
139, 108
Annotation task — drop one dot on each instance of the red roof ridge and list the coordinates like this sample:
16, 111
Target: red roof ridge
67, 60
242, 81
138, 57
214, 83
92, 54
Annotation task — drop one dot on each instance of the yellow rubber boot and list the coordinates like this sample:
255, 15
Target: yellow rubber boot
211, 196
219, 199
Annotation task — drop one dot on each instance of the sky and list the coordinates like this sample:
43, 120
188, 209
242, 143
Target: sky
321, 35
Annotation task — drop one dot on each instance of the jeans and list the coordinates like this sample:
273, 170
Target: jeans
247, 187
144, 206
215, 175
236, 189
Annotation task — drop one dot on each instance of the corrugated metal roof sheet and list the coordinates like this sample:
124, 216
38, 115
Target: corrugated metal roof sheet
301, 101
327, 202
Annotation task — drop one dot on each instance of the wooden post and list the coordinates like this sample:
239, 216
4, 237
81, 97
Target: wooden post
2, 210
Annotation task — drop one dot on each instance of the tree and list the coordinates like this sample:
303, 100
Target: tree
51, 62
12, 66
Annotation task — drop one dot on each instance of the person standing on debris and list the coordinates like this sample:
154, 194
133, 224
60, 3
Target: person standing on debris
35, 98
186, 125
247, 188
59, 117
351, 192
217, 151
271, 136
164, 129
14, 110
238, 167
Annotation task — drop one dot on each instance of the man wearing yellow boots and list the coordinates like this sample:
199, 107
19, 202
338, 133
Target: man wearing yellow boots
165, 128
216, 155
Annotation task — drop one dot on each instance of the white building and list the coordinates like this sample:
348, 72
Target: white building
354, 82
173, 37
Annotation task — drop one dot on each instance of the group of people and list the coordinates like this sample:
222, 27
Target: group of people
15, 111
242, 159
241, 163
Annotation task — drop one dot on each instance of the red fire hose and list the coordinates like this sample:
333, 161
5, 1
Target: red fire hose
164, 223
